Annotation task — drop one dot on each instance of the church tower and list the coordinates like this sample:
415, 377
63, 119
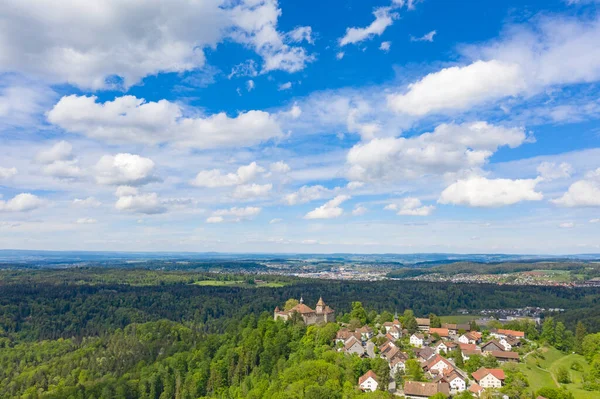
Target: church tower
320, 306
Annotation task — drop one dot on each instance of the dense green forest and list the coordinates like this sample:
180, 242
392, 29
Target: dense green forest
118, 333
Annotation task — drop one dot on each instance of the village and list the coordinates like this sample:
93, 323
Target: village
423, 360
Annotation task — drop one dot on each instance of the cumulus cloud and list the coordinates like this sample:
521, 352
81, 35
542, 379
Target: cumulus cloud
215, 178
7, 173
458, 88
86, 221
148, 204
385, 46
553, 171
450, 148
582, 193
247, 191
129, 119
428, 37
215, 219
331, 209
410, 206
384, 17
359, 210
134, 40
275, 221
285, 86
566, 225
89, 202
234, 214
124, 169
339, 55
59, 161
23, 202
279, 167
483, 192
306, 194
550, 51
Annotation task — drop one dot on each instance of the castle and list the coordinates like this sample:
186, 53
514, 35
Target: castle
321, 314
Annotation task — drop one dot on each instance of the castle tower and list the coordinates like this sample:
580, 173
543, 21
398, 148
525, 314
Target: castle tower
320, 306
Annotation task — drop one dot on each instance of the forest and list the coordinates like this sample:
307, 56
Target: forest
118, 333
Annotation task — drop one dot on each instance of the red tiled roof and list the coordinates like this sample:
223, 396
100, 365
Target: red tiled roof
425, 389
514, 333
475, 388
482, 372
436, 359
366, 376
469, 347
302, 309
442, 332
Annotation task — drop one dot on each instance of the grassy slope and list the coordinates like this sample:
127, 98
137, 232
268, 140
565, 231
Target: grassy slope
542, 376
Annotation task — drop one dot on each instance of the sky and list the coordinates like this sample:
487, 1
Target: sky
395, 126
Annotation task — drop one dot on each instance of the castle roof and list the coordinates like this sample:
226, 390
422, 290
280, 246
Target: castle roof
320, 303
302, 309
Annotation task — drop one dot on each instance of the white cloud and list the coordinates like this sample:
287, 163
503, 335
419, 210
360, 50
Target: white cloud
329, 210
384, 17
528, 59
275, 221
128, 119
246, 68
306, 194
7, 173
359, 210
279, 167
450, 148
247, 191
482, 192
234, 214
353, 185
124, 169
339, 55
89, 202
23, 202
553, 171
148, 204
410, 206
300, 34
250, 85
88, 43
385, 46
566, 225
458, 88
22, 102
215, 178
59, 161
595, 221
582, 193
86, 221
285, 86
428, 37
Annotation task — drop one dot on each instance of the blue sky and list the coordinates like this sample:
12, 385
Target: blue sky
300, 126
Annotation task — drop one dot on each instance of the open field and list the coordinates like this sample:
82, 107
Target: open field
540, 372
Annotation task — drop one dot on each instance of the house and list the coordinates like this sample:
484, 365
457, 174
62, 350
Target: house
383, 349
501, 333
418, 390
366, 332
390, 354
493, 345
321, 314
473, 337
513, 342
368, 381
398, 363
424, 354
438, 365
442, 332
455, 380
440, 347
416, 340
505, 344
476, 389
388, 325
453, 329
395, 332
353, 345
343, 334
504, 356
423, 324
489, 378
